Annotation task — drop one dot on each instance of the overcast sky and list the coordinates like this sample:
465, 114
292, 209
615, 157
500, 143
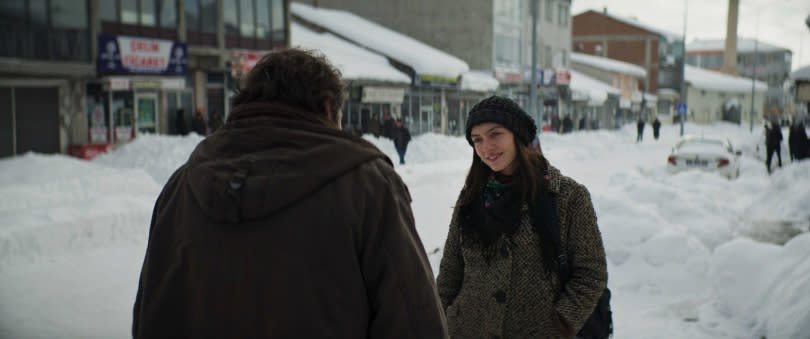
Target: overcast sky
781, 22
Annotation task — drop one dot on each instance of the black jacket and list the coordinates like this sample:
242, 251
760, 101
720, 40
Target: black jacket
774, 137
280, 226
401, 137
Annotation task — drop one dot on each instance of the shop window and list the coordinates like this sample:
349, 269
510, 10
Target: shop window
46, 30
145, 18
201, 22
254, 24
230, 15
278, 22
262, 19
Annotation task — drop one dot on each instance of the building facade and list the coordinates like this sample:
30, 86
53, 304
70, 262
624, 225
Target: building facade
101, 72
659, 52
755, 59
493, 36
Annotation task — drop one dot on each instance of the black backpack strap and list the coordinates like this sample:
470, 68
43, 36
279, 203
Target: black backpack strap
554, 226
548, 228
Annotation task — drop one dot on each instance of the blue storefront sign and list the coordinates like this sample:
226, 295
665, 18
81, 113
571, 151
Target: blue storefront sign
119, 54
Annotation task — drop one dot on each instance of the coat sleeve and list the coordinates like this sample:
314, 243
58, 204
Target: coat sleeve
586, 255
402, 294
451, 269
159, 300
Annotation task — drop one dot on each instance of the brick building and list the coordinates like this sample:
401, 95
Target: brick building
659, 52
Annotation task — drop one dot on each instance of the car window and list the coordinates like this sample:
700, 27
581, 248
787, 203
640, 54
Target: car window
700, 146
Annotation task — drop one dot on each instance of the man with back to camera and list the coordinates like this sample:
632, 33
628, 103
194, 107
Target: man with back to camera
281, 225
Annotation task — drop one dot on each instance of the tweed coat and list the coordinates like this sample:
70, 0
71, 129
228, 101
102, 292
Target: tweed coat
512, 295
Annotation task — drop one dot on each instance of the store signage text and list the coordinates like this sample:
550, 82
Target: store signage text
119, 54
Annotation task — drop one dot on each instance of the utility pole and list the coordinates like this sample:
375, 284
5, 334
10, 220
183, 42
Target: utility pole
683, 66
754, 77
533, 111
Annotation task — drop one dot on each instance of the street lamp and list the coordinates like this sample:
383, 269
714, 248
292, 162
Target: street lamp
683, 66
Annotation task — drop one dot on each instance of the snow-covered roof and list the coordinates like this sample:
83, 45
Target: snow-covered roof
609, 64
801, 74
424, 59
706, 79
354, 62
481, 81
743, 45
634, 22
584, 87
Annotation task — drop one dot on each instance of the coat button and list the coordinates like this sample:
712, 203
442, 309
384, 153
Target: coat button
504, 251
500, 296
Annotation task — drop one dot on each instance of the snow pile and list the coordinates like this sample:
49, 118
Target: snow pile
683, 258
762, 288
801, 74
158, 155
609, 64
480, 81
706, 79
587, 88
743, 46
424, 59
51, 205
354, 62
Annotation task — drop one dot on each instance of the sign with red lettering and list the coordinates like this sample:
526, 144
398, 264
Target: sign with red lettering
133, 55
243, 61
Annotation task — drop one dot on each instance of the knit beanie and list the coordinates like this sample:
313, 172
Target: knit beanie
505, 112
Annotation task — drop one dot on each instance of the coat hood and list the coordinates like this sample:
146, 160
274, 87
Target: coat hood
268, 157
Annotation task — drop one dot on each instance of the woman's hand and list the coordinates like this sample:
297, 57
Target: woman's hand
565, 329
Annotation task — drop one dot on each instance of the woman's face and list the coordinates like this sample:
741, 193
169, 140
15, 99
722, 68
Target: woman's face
495, 146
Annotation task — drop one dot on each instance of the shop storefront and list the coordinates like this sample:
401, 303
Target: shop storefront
141, 89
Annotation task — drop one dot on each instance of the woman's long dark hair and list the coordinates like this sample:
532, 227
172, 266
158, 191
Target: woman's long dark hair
531, 166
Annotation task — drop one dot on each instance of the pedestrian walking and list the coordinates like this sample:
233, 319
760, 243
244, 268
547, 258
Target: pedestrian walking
387, 125
198, 123
499, 275
656, 125
374, 126
282, 226
401, 137
773, 143
568, 124
798, 142
216, 122
640, 128
180, 122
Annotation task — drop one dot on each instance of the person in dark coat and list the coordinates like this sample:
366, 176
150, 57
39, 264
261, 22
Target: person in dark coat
555, 124
198, 123
797, 140
374, 126
582, 123
401, 137
773, 143
180, 122
640, 128
387, 125
568, 124
656, 125
282, 226
497, 277
216, 122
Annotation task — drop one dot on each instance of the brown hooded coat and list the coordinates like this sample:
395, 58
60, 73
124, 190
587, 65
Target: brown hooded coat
280, 226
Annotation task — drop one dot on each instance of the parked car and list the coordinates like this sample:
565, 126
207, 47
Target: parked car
703, 154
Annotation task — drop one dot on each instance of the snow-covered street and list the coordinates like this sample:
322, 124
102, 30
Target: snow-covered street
691, 255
